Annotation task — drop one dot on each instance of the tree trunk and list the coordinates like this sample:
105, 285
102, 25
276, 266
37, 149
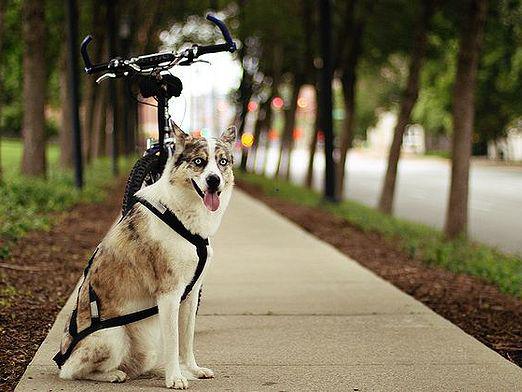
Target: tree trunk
325, 97
246, 93
261, 124
2, 13
283, 161
409, 99
132, 125
99, 123
112, 48
312, 148
291, 127
269, 117
88, 116
348, 80
463, 117
92, 90
33, 128
351, 52
65, 135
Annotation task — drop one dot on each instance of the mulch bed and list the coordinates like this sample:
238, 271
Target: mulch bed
53, 262
477, 307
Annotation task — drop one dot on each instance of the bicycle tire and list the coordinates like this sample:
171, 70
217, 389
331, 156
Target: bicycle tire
145, 171
148, 165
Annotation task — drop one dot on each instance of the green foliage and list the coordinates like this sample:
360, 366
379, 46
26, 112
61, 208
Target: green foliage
11, 69
498, 101
265, 24
421, 242
7, 294
11, 63
378, 89
433, 108
26, 203
499, 82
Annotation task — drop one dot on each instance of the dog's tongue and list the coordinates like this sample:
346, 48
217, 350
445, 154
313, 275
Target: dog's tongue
211, 200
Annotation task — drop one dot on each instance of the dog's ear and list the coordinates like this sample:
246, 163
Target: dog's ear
181, 138
229, 135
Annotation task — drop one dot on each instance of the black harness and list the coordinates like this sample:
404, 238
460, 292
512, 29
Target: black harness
97, 322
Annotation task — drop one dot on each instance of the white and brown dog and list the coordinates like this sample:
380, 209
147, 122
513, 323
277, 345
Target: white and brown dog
142, 262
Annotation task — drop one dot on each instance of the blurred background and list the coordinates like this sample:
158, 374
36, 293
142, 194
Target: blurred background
390, 129
409, 106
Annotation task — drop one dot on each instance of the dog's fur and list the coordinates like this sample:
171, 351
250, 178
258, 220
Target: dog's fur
142, 262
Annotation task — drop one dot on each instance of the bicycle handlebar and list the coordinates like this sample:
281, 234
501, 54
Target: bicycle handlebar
156, 59
231, 46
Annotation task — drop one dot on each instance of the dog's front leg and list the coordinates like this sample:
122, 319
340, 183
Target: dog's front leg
187, 321
168, 306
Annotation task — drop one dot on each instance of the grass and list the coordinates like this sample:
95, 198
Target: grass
420, 241
439, 153
27, 203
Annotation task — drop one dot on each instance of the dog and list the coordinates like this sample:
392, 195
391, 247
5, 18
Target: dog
142, 262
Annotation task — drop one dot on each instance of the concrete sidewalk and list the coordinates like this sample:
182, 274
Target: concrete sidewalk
283, 311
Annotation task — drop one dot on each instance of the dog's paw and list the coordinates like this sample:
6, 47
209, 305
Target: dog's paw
178, 382
201, 372
117, 376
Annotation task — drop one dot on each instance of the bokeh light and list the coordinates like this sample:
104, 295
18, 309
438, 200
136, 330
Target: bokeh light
272, 135
247, 140
222, 106
278, 102
297, 134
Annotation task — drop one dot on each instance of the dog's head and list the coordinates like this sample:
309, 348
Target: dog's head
203, 166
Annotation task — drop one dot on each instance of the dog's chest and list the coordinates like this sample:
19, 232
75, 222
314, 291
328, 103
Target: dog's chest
182, 259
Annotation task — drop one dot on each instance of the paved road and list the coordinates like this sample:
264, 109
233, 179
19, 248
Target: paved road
284, 311
422, 193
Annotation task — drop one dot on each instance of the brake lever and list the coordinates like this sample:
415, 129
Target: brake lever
108, 75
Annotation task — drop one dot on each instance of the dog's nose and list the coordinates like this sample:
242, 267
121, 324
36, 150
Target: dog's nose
213, 182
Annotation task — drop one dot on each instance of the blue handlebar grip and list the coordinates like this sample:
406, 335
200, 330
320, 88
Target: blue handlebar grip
224, 31
85, 54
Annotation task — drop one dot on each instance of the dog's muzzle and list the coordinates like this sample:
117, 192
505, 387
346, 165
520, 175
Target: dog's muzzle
210, 197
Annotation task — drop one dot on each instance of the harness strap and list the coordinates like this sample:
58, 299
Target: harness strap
171, 220
175, 224
118, 321
97, 323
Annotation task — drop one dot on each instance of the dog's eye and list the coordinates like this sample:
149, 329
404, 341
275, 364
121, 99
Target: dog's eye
223, 161
198, 162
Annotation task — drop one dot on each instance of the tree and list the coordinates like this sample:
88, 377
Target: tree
499, 79
325, 97
285, 150
34, 88
348, 69
408, 101
65, 132
312, 147
262, 125
2, 13
92, 92
463, 116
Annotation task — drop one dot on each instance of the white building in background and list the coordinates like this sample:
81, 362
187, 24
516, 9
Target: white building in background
508, 148
379, 138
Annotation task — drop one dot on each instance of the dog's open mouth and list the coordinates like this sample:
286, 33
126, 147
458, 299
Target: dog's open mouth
210, 199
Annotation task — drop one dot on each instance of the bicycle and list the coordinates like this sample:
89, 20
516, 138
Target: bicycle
151, 72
